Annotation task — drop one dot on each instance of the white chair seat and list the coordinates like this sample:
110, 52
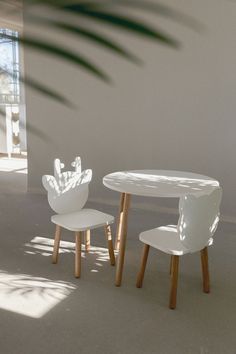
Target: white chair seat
165, 239
85, 219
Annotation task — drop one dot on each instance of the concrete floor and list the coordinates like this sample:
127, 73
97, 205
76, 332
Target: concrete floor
44, 309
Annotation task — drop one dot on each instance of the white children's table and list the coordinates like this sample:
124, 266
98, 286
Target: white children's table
151, 183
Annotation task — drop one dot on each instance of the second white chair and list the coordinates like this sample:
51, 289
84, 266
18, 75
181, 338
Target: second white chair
199, 216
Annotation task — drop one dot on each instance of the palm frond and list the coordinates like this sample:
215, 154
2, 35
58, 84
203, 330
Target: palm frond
54, 95
99, 39
124, 22
162, 10
150, 6
40, 88
62, 53
97, 11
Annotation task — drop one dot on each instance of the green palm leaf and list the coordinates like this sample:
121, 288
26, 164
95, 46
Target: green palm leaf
96, 38
93, 10
65, 54
54, 95
41, 88
162, 10
125, 23
157, 8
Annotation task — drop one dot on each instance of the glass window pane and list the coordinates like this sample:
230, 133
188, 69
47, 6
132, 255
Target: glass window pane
9, 68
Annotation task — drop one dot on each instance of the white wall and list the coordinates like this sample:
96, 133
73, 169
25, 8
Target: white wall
176, 112
11, 15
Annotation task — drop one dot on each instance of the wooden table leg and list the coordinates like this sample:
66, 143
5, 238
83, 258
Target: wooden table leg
120, 218
123, 234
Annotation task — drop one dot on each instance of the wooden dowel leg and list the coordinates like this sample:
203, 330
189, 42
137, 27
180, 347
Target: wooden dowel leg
56, 244
110, 244
140, 277
123, 234
78, 240
174, 282
87, 240
120, 220
205, 270
171, 264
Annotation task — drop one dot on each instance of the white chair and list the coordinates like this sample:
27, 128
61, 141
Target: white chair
67, 195
199, 216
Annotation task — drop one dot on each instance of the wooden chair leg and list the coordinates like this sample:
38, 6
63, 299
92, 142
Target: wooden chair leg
56, 244
78, 240
174, 282
140, 277
87, 240
171, 264
107, 229
205, 270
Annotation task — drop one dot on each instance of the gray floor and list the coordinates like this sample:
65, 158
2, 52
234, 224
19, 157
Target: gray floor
44, 309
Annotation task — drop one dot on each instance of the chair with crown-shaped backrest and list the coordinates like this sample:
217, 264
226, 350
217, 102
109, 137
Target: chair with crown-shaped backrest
199, 216
67, 194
